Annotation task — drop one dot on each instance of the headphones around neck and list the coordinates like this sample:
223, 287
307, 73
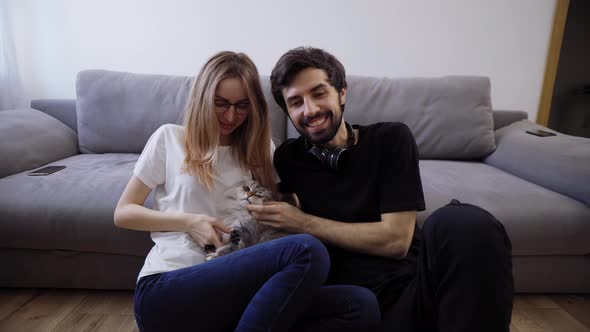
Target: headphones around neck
333, 158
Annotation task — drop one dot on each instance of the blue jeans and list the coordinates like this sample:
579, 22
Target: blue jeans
273, 286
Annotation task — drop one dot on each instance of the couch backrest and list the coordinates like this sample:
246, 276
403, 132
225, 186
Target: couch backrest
450, 117
118, 112
65, 111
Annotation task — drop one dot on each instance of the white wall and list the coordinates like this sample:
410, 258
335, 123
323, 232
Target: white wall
506, 40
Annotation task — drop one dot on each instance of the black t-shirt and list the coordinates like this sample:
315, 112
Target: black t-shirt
381, 175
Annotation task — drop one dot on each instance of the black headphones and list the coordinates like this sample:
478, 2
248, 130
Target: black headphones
333, 158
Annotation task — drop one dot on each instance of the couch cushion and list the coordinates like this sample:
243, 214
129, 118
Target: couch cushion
278, 118
30, 139
450, 117
118, 112
71, 209
539, 221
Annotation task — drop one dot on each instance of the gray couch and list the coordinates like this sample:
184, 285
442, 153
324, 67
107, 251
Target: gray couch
58, 231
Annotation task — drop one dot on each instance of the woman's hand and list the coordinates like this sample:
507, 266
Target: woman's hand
206, 230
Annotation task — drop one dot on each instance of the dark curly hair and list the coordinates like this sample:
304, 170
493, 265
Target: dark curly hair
298, 59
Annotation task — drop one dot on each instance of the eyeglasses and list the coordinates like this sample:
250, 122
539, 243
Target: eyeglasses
241, 107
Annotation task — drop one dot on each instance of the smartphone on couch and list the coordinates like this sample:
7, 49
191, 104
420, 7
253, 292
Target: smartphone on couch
46, 170
539, 132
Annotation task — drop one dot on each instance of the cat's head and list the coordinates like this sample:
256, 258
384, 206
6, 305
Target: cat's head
249, 192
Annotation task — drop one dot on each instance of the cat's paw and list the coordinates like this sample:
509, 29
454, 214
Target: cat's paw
209, 248
235, 237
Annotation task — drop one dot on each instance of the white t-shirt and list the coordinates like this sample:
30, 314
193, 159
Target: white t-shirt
159, 167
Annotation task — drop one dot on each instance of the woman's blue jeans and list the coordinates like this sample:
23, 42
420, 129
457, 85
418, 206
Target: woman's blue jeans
273, 286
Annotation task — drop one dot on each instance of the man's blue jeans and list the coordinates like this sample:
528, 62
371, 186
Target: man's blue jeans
273, 286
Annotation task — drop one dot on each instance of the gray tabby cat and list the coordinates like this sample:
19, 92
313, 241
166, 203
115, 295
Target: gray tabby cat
246, 230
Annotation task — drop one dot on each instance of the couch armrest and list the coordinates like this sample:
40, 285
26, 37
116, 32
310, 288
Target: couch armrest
502, 118
560, 163
62, 109
30, 139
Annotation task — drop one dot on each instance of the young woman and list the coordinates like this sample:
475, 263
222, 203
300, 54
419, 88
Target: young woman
274, 286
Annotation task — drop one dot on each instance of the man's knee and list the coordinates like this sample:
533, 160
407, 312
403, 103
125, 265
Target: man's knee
465, 227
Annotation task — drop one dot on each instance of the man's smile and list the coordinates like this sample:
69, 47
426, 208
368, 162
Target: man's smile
317, 121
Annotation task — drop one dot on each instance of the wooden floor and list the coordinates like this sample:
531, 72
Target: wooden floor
30, 310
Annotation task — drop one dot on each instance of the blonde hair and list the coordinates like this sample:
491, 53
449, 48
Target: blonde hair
250, 141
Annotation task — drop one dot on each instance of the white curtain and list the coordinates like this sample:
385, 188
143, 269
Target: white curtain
11, 91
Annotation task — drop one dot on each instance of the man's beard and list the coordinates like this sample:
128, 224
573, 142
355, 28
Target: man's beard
326, 135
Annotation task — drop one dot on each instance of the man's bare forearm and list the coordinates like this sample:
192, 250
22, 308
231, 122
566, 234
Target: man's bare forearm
375, 238
389, 237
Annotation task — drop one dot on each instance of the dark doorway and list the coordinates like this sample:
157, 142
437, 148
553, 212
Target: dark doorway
570, 106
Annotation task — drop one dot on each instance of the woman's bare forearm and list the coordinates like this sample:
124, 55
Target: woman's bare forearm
140, 218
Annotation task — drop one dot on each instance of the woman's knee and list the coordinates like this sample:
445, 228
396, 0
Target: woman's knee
366, 307
310, 250
311, 245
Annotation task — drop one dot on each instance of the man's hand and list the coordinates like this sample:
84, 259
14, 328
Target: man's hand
280, 215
